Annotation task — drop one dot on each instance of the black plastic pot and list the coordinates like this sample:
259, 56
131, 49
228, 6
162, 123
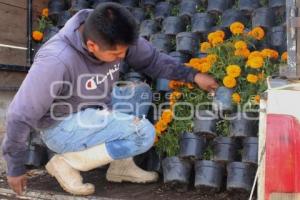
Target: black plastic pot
224, 149
263, 17
200, 55
250, 150
205, 123
63, 17
187, 42
36, 156
232, 15
96, 2
50, 32
243, 124
209, 176
79, 5
56, 7
129, 3
277, 3
202, 23
218, 6
176, 172
138, 14
222, 100
278, 38
162, 10
50, 153
154, 161
162, 85
191, 146
173, 25
240, 176
147, 28
148, 4
187, 8
248, 6
162, 42
180, 57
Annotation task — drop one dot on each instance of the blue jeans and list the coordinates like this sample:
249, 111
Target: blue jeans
122, 135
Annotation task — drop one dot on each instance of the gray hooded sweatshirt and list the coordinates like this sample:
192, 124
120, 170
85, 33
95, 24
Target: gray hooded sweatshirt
65, 78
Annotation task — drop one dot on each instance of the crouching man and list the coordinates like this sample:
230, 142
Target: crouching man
72, 71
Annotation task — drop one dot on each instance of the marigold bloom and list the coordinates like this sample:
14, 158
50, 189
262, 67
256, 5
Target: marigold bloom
167, 116
204, 47
255, 62
233, 71
37, 36
269, 53
240, 45
229, 81
242, 52
251, 78
237, 28
216, 41
284, 56
212, 58
45, 12
257, 33
255, 54
236, 98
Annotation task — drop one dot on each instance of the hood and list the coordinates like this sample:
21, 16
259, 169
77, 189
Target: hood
71, 35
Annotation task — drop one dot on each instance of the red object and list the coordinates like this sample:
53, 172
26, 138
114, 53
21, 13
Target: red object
282, 173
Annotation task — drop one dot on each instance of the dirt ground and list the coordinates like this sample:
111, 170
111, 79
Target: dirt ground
40, 180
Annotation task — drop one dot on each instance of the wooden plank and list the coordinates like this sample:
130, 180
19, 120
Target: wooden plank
12, 56
15, 3
12, 25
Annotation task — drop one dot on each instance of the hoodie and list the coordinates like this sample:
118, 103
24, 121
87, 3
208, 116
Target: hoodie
64, 78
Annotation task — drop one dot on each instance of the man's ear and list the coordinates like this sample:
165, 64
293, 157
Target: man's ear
91, 46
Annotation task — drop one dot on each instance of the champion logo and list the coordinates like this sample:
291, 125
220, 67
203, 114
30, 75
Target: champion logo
93, 82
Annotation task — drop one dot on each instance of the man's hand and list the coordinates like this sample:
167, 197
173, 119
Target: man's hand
206, 82
17, 183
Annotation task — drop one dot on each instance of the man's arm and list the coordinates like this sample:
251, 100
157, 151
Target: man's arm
145, 58
31, 102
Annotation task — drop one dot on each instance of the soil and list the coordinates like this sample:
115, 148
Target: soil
40, 180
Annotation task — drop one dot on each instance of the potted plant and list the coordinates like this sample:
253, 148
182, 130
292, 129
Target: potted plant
225, 149
173, 25
278, 38
162, 42
63, 18
162, 10
223, 99
263, 17
250, 150
240, 176
244, 124
148, 27
191, 146
187, 42
248, 6
79, 5
232, 15
55, 7
176, 172
205, 122
202, 23
187, 8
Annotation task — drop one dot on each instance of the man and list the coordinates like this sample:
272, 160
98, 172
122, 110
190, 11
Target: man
76, 69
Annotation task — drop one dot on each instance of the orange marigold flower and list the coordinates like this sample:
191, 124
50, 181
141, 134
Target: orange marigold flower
237, 28
257, 33
229, 81
216, 41
37, 36
236, 98
269, 53
257, 98
284, 56
242, 52
160, 126
261, 76
216, 34
204, 47
205, 67
175, 84
167, 116
251, 78
190, 85
255, 62
212, 58
240, 45
233, 71
255, 54
45, 12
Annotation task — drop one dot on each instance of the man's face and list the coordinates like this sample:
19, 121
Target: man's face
107, 55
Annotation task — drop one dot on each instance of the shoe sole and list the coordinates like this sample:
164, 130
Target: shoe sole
119, 179
51, 170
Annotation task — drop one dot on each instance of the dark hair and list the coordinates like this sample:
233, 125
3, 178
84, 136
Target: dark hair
110, 24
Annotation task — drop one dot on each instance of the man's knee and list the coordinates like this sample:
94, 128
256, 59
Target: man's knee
145, 136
